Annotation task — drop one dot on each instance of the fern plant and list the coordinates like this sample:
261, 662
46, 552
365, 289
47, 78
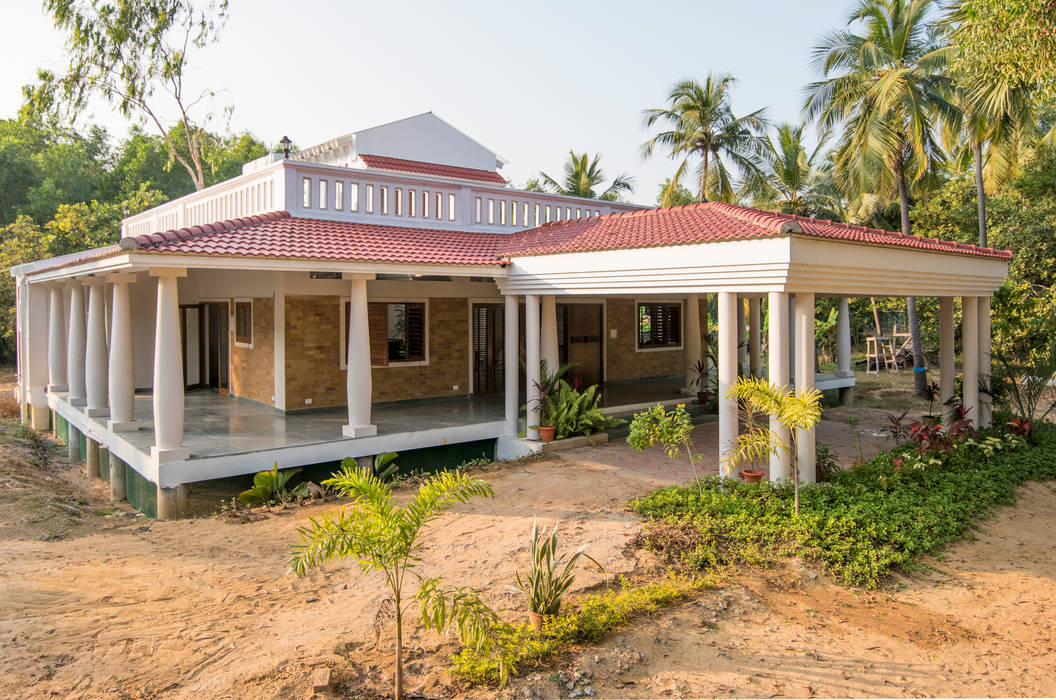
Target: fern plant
574, 412
381, 534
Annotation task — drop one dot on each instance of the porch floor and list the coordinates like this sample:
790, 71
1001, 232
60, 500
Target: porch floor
216, 426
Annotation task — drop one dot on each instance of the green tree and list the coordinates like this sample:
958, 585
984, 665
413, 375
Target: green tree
133, 54
677, 197
700, 124
793, 180
583, 175
382, 535
1012, 40
885, 82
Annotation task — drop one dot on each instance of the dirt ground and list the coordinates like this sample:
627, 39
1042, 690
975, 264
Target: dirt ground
98, 602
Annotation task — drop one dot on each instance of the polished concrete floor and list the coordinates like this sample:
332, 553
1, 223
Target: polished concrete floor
217, 425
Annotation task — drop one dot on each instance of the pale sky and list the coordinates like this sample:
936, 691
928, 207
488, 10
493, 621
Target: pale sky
528, 81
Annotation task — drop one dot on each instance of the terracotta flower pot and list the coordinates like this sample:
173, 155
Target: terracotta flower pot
702, 397
535, 620
752, 476
546, 433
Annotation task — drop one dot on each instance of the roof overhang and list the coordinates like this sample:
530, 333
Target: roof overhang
784, 263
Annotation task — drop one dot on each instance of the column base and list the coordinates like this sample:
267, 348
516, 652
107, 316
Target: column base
358, 431
172, 454
39, 418
96, 412
91, 459
117, 479
122, 426
78, 402
172, 503
57, 388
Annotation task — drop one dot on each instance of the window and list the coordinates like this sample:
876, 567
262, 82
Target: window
477, 212
412, 202
425, 204
557, 213
322, 194
502, 212
306, 193
396, 329
513, 213
491, 210
568, 213
339, 195
536, 214
244, 322
547, 213
384, 197
353, 196
438, 210
660, 325
579, 213
398, 194
450, 207
524, 210
370, 199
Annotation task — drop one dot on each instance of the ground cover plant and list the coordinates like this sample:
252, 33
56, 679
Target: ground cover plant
873, 519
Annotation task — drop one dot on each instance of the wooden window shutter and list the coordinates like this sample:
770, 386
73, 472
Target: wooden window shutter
378, 327
416, 331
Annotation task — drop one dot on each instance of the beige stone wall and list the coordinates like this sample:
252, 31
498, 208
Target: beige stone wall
622, 360
253, 369
313, 349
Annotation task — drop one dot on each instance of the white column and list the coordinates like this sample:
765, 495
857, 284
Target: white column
548, 333
755, 327
35, 356
946, 358
57, 338
777, 308
728, 426
742, 338
279, 342
985, 398
792, 340
76, 346
510, 364
95, 358
692, 343
843, 338
168, 371
804, 323
970, 357
358, 383
531, 361
121, 375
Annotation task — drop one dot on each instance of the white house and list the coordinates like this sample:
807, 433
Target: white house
375, 292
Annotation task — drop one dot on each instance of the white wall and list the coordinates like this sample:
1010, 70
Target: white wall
428, 138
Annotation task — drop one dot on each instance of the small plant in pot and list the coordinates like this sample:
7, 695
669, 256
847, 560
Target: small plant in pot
700, 381
931, 393
546, 390
549, 576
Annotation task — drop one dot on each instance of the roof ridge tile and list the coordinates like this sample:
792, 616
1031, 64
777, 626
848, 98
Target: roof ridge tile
182, 234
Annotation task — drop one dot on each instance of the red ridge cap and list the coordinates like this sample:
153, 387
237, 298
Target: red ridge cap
153, 239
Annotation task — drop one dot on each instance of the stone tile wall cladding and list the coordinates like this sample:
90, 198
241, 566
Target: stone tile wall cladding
313, 355
622, 359
253, 369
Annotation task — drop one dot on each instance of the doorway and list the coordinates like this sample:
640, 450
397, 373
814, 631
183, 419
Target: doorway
215, 343
489, 347
582, 341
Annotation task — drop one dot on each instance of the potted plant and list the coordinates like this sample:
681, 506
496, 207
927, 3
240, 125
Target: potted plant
547, 388
547, 425
549, 576
931, 393
752, 475
700, 381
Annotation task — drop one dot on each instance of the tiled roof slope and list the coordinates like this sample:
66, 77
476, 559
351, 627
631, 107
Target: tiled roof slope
710, 221
278, 235
437, 169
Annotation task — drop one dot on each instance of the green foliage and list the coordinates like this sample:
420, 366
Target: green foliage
550, 574
677, 197
270, 486
793, 180
574, 412
583, 175
871, 520
385, 466
382, 535
672, 430
589, 621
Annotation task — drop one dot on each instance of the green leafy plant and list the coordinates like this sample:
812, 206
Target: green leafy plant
794, 410
827, 463
385, 467
672, 430
381, 534
575, 412
271, 485
550, 574
547, 386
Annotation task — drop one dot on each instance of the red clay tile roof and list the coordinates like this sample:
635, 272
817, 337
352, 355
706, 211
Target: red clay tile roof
710, 221
438, 169
278, 235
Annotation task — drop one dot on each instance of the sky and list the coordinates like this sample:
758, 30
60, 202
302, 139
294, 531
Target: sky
527, 80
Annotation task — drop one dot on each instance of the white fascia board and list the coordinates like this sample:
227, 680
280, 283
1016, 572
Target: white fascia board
111, 263
217, 262
750, 266
859, 269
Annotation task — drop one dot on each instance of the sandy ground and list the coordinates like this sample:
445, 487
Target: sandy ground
100, 603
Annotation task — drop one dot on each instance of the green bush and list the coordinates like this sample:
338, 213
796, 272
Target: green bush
871, 520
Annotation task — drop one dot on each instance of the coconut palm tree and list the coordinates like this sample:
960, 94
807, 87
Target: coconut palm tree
583, 176
794, 180
701, 125
884, 80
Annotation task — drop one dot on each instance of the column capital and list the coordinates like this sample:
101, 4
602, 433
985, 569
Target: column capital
121, 277
94, 280
167, 272
368, 276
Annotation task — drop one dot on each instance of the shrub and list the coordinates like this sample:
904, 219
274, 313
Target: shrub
270, 486
873, 519
550, 574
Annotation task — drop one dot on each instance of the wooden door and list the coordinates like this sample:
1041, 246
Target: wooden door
216, 345
489, 347
584, 336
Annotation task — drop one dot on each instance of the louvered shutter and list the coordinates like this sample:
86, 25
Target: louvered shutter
378, 327
416, 331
